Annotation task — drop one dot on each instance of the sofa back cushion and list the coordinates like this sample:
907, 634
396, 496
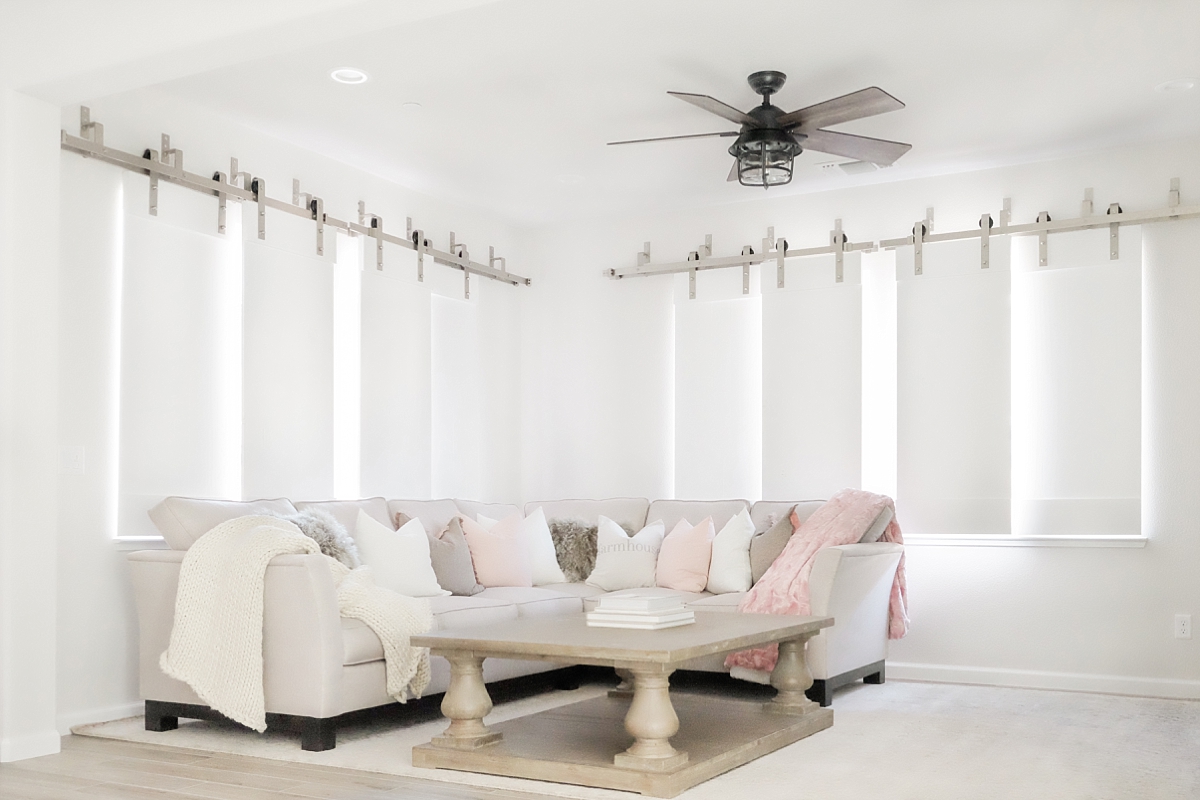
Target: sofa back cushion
346, 511
183, 520
766, 513
627, 512
496, 511
671, 511
435, 515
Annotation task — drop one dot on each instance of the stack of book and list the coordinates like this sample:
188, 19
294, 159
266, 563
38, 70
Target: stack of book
648, 612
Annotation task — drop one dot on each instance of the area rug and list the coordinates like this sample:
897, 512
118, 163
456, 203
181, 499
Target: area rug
898, 740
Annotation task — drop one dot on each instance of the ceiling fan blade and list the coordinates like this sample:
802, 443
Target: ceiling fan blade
668, 138
856, 105
849, 145
715, 106
733, 172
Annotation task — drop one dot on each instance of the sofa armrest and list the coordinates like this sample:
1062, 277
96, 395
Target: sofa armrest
853, 584
302, 632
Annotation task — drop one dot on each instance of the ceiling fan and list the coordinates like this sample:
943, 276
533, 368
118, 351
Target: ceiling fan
770, 139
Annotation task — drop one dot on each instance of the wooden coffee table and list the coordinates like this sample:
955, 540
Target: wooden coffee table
678, 741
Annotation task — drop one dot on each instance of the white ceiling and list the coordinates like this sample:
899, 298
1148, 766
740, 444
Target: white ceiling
520, 96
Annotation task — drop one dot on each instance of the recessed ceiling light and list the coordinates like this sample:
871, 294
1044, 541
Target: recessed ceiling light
348, 75
410, 106
1177, 85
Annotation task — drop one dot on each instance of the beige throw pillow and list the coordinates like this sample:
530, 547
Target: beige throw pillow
766, 546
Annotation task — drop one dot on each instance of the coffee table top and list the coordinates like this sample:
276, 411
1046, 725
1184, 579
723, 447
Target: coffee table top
569, 638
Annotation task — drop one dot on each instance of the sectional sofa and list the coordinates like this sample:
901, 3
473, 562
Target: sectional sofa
319, 666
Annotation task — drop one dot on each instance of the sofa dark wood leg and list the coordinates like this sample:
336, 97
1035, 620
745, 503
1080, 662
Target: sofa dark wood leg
821, 692
876, 677
317, 734
157, 718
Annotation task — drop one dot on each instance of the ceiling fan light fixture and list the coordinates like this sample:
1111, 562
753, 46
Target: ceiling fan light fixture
765, 157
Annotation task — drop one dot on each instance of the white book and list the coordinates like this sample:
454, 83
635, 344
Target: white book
679, 617
678, 608
640, 602
640, 625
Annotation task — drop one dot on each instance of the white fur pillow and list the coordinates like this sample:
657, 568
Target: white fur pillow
729, 570
624, 561
399, 560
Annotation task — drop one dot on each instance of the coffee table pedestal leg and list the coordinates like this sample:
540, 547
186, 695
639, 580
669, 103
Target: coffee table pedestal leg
651, 721
465, 704
791, 679
625, 687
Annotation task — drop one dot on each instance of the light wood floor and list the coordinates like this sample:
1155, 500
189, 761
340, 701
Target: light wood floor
106, 769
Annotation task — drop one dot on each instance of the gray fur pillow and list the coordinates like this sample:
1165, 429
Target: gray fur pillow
329, 534
575, 547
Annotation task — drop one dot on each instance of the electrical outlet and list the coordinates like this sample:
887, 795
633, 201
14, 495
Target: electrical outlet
1183, 626
72, 460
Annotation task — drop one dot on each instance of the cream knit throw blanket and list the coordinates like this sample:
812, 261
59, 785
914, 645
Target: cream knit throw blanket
216, 640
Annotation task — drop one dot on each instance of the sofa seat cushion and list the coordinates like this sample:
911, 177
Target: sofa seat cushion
580, 590
454, 612
717, 602
360, 645
535, 601
590, 603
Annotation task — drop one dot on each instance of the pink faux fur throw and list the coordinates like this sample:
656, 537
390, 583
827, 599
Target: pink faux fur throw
783, 588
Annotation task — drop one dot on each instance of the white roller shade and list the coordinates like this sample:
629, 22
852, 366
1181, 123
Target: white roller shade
953, 390
718, 392
1076, 393
288, 375
812, 380
396, 380
180, 357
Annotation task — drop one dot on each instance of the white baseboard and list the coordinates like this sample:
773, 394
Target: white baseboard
18, 748
1037, 679
67, 721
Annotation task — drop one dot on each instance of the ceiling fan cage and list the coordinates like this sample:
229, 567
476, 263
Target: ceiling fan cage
764, 157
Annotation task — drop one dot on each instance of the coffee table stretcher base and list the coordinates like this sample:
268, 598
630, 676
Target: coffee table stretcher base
575, 744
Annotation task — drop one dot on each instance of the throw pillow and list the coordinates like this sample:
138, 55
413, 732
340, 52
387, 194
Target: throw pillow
399, 560
731, 569
624, 561
329, 534
499, 554
400, 519
766, 546
451, 560
538, 544
574, 547
685, 556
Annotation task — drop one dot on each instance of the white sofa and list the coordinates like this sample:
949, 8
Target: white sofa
319, 666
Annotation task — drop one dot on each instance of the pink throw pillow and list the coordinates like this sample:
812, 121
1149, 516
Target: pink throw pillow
684, 558
498, 554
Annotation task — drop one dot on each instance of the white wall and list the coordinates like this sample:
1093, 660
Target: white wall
598, 396
29, 396
279, 376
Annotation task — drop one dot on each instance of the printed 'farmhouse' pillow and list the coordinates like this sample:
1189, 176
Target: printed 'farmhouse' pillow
684, 558
399, 560
452, 561
731, 570
624, 561
539, 546
499, 554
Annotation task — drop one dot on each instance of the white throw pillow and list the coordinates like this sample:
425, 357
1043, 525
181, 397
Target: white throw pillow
624, 561
539, 546
729, 570
399, 560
